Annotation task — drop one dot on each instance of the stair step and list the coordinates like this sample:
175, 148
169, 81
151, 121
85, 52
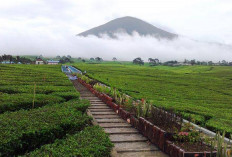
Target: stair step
119, 120
135, 147
101, 110
142, 154
98, 107
119, 138
106, 116
104, 113
121, 130
114, 125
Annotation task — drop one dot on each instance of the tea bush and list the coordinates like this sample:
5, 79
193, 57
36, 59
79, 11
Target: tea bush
18, 82
13, 102
23, 130
92, 142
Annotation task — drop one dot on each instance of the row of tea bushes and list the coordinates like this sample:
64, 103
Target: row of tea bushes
44, 75
13, 102
30, 89
19, 82
25, 130
92, 141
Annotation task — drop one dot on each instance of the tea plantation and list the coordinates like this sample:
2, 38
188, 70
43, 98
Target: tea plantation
56, 118
200, 93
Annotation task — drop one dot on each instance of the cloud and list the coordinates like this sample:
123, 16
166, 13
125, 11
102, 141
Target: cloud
124, 48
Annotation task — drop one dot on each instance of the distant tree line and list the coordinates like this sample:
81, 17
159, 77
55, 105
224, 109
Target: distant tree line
155, 62
16, 59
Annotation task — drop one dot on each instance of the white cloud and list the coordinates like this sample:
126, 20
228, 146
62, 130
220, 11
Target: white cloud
125, 48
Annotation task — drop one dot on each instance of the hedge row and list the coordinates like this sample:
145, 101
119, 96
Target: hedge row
30, 89
23, 130
67, 95
219, 124
91, 142
13, 102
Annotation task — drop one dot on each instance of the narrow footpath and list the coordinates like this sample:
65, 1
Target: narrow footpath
127, 140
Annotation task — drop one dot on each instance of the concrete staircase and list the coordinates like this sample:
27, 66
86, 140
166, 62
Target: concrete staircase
127, 140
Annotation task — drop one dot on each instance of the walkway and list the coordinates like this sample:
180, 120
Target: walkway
127, 140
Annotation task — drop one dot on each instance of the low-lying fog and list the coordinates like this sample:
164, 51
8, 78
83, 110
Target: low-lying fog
124, 48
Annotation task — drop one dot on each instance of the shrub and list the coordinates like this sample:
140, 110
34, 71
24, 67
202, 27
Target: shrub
23, 130
67, 95
13, 102
92, 141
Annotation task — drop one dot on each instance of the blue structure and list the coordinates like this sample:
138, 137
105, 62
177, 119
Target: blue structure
53, 62
69, 69
7, 62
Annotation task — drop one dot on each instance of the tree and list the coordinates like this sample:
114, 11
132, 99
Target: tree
114, 59
170, 63
224, 62
58, 57
210, 63
64, 60
68, 56
153, 62
17, 58
138, 61
98, 59
193, 62
91, 59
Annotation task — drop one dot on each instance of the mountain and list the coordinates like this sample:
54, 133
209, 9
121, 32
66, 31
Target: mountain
128, 25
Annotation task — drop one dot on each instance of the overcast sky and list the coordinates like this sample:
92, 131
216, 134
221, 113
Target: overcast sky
27, 23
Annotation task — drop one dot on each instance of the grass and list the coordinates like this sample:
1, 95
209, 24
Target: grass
200, 93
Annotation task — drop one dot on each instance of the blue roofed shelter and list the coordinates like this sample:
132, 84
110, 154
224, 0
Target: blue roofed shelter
52, 62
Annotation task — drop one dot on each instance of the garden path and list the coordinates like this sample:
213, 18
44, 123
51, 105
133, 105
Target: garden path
127, 140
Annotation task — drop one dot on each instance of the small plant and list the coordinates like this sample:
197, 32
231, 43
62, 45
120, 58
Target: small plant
221, 146
139, 110
33, 102
146, 108
129, 106
187, 134
101, 88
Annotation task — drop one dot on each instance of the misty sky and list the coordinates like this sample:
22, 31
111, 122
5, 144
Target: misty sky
48, 27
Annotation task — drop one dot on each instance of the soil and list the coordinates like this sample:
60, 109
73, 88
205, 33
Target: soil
193, 147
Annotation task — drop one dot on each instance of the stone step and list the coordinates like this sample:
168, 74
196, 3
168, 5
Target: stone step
118, 120
96, 101
104, 113
84, 96
121, 130
119, 138
92, 105
101, 110
135, 147
90, 99
142, 154
106, 116
99, 107
114, 125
